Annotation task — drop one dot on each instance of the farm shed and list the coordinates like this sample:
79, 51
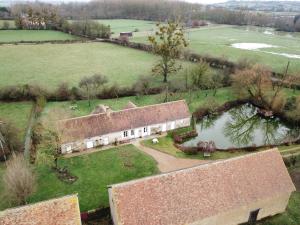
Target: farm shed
233, 191
62, 211
126, 34
121, 126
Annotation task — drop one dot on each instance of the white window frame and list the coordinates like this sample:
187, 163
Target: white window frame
125, 133
145, 129
132, 133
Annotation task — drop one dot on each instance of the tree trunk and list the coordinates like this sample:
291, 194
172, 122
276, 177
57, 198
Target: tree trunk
56, 163
165, 77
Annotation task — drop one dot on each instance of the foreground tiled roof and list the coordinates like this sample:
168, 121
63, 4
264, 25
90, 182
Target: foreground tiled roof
189, 195
60, 211
105, 123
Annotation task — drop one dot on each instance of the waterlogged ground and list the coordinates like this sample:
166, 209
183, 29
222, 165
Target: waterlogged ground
262, 45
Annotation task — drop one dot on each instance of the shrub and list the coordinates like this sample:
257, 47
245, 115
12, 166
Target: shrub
19, 180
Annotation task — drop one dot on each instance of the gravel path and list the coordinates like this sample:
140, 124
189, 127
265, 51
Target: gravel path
166, 162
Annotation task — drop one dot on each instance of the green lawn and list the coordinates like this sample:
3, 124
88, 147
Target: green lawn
166, 145
198, 98
10, 22
18, 113
51, 64
216, 40
95, 172
34, 35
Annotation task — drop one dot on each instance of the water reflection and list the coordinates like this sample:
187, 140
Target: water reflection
241, 127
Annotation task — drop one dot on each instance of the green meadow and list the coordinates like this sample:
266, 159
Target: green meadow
10, 22
216, 40
33, 35
49, 65
123, 25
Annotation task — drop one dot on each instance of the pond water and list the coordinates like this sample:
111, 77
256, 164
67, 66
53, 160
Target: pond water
241, 127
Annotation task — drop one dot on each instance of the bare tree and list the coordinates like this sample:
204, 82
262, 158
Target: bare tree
19, 180
91, 85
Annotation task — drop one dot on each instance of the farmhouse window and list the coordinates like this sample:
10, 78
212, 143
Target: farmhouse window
145, 129
132, 132
125, 134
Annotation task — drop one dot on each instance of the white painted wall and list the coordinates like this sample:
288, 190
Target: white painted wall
119, 136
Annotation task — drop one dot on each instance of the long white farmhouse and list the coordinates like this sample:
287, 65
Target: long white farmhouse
117, 126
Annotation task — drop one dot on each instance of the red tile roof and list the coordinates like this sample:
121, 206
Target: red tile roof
104, 123
60, 211
189, 195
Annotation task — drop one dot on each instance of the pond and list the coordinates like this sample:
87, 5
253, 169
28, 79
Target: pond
242, 127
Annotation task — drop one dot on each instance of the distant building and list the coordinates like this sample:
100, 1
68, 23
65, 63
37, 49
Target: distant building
59, 211
118, 126
126, 34
233, 191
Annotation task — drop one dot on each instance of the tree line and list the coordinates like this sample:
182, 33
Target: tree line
156, 10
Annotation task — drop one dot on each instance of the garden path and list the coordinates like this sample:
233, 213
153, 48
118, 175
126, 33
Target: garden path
166, 162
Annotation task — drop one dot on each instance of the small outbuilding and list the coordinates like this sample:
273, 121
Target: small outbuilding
126, 34
228, 192
59, 211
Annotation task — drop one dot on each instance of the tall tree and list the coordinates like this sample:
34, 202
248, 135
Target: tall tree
168, 42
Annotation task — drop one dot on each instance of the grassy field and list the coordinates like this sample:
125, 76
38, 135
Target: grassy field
216, 40
51, 64
34, 35
10, 22
124, 25
198, 98
18, 113
95, 172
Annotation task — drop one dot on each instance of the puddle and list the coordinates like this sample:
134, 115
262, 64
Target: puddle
252, 46
291, 56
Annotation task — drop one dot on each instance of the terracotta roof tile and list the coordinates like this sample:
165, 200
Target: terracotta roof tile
60, 211
188, 195
105, 123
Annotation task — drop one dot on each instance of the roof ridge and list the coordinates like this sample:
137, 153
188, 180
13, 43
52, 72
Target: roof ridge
122, 110
193, 167
40, 202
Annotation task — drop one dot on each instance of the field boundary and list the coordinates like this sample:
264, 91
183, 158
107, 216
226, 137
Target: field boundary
46, 42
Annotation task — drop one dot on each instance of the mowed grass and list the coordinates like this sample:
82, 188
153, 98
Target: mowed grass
216, 40
34, 35
49, 65
95, 172
17, 113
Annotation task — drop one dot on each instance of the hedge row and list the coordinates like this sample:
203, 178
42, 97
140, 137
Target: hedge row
65, 93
